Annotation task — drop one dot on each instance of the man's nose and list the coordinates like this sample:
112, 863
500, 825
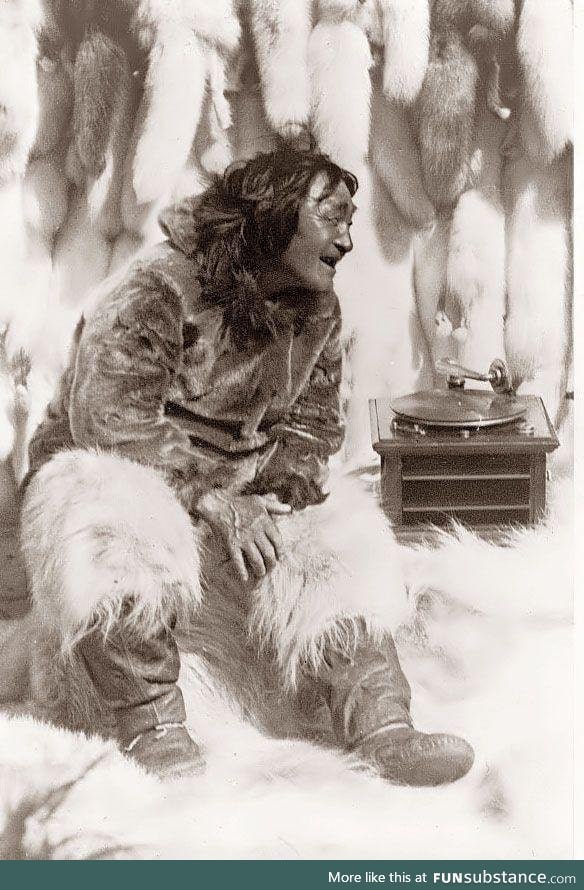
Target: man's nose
343, 242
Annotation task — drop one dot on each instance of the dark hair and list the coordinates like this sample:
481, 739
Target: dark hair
248, 217
242, 224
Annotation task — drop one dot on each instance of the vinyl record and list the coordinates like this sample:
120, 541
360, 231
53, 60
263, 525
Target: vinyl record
459, 408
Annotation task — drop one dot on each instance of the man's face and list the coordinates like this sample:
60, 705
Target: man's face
322, 238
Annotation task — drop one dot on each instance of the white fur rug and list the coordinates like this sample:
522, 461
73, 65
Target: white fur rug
488, 651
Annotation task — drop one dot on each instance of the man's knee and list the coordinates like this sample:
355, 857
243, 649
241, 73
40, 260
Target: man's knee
99, 532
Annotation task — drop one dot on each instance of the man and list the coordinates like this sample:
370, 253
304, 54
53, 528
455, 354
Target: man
185, 456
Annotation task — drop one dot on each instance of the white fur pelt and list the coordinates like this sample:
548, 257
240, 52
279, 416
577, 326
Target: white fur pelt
20, 21
491, 660
96, 529
82, 254
545, 48
406, 34
475, 271
339, 59
386, 355
538, 275
180, 38
281, 31
430, 260
396, 158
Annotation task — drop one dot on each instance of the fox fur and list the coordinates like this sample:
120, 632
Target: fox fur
55, 89
448, 98
395, 155
538, 205
430, 260
475, 273
339, 61
446, 117
98, 529
406, 34
174, 111
214, 145
104, 193
20, 21
546, 57
281, 31
81, 255
179, 37
99, 75
32, 209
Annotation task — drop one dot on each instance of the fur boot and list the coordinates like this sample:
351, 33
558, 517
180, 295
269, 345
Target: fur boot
545, 51
475, 270
105, 543
281, 31
339, 61
538, 274
406, 45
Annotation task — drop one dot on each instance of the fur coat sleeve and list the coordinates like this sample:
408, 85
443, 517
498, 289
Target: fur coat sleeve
310, 433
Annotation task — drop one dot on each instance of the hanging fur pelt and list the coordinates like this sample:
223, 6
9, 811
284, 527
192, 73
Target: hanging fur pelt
538, 209
430, 259
20, 21
339, 58
406, 35
179, 38
545, 51
396, 158
280, 31
97, 166
475, 272
447, 101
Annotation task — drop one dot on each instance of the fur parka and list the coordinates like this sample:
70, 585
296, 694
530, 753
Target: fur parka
157, 377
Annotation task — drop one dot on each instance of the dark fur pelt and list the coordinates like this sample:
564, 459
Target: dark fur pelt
465, 40
446, 118
100, 43
100, 73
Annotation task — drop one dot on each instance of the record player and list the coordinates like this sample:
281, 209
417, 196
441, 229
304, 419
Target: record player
475, 456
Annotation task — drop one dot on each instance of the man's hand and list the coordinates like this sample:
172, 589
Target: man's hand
245, 525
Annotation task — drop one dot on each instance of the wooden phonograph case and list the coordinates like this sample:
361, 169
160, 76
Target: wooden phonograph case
477, 457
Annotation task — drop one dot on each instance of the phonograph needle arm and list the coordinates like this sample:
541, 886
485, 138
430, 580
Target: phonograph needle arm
498, 374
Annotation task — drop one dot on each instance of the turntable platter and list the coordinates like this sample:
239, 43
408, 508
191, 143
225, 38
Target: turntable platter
453, 408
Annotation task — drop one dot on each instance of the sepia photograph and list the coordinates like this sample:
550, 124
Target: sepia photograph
287, 430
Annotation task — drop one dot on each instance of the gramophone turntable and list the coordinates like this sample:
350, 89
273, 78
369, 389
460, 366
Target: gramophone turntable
474, 456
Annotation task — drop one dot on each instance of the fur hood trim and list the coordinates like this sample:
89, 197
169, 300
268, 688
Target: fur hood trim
247, 312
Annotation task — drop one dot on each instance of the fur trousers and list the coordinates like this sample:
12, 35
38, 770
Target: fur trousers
106, 540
